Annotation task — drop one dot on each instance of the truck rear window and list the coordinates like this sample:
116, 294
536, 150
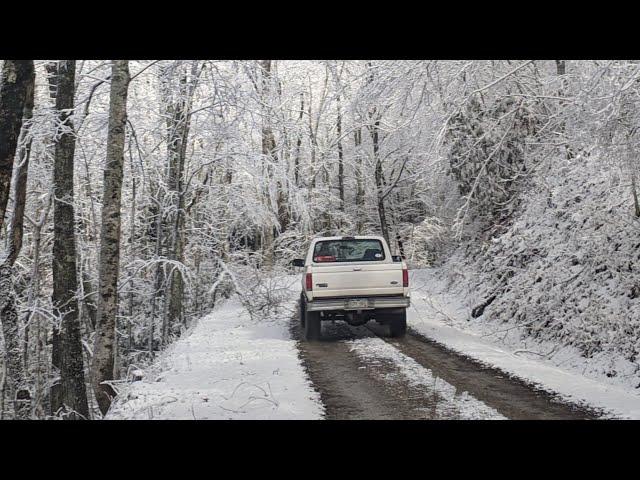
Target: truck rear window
327, 251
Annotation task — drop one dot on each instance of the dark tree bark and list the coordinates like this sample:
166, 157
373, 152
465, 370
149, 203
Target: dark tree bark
340, 157
16, 383
16, 102
104, 351
55, 393
268, 151
178, 125
132, 246
379, 176
357, 140
561, 70
20, 187
73, 393
177, 145
20, 195
634, 191
296, 162
159, 235
16, 76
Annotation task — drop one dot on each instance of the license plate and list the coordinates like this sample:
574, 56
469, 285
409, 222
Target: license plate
357, 303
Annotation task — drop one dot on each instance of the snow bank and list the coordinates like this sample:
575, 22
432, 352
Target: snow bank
228, 367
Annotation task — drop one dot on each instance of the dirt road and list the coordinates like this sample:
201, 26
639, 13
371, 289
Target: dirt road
361, 373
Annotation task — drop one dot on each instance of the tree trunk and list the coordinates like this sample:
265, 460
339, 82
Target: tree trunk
379, 181
16, 77
20, 187
103, 356
561, 70
268, 152
16, 102
357, 139
33, 297
340, 157
178, 123
16, 382
20, 194
636, 203
73, 394
296, 162
158, 277
132, 239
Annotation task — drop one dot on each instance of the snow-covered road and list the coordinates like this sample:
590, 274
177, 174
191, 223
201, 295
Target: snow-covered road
363, 374
230, 366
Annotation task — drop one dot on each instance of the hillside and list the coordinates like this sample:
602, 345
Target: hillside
565, 277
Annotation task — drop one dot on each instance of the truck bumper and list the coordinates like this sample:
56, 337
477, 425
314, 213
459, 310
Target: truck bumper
373, 303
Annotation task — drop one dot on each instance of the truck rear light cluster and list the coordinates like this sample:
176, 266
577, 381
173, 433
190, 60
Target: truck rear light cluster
309, 281
405, 277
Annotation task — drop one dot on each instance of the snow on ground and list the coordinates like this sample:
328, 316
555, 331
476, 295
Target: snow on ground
440, 312
451, 403
228, 367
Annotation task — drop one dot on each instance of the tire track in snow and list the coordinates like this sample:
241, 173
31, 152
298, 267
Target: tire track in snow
513, 398
359, 376
360, 373
448, 402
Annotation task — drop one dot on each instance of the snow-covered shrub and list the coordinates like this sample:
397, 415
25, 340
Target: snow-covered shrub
263, 293
425, 242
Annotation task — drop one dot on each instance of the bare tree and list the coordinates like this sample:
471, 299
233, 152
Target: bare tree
20, 181
178, 114
16, 102
269, 153
67, 353
104, 350
16, 76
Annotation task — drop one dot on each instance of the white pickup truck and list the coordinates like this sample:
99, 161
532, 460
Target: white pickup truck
355, 279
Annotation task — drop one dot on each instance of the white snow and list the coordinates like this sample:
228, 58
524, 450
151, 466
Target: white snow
227, 367
451, 403
442, 313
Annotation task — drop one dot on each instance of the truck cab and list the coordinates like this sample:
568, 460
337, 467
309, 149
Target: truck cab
355, 279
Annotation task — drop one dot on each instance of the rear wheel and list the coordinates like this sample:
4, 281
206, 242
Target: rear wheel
302, 310
312, 325
398, 324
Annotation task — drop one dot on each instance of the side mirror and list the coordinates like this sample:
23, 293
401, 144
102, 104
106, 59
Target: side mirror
298, 262
396, 258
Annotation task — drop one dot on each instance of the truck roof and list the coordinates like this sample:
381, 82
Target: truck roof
350, 237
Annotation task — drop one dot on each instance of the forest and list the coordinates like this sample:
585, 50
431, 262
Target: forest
137, 195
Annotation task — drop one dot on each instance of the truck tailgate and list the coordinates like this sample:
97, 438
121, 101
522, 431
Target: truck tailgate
357, 279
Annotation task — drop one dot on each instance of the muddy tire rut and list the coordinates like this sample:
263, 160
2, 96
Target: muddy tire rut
353, 387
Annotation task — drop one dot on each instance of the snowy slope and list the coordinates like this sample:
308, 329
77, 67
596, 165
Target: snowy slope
567, 271
227, 367
441, 311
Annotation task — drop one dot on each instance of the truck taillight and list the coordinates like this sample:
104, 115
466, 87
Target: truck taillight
405, 277
309, 281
